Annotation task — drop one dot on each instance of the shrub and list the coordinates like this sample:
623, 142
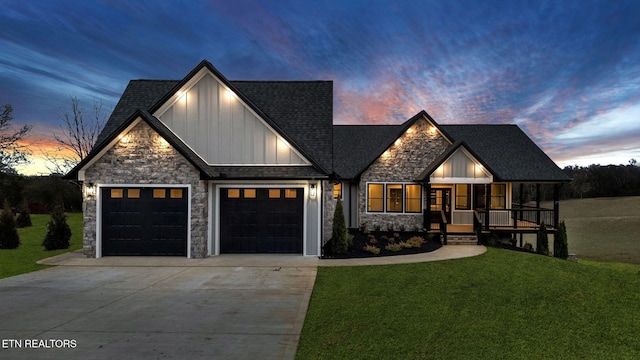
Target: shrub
24, 216
396, 236
415, 241
393, 247
340, 237
402, 228
372, 239
528, 247
390, 227
372, 249
376, 228
560, 246
9, 238
58, 232
404, 245
542, 240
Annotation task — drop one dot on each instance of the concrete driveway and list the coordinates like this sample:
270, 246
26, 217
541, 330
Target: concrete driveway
239, 308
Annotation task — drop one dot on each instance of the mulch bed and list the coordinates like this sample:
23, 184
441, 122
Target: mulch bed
360, 240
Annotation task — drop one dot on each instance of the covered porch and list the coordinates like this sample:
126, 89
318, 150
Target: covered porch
512, 218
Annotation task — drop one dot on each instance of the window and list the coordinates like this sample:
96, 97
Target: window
375, 197
175, 193
133, 193
117, 193
159, 193
394, 198
274, 193
249, 193
498, 196
463, 197
413, 194
290, 193
337, 190
233, 193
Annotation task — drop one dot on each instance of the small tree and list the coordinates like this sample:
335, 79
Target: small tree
24, 216
340, 238
560, 244
542, 240
58, 231
9, 238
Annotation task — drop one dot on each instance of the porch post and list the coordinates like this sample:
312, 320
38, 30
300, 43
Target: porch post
426, 220
487, 205
556, 205
538, 203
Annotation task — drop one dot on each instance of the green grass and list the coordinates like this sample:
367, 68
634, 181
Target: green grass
23, 259
602, 228
500, 305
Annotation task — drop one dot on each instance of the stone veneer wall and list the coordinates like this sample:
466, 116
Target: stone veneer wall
402, 162
328, 209
147, 159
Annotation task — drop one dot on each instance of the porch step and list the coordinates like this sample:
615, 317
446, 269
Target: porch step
458, 239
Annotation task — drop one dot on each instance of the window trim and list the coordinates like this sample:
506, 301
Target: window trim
467, 195
381, 199
385, 198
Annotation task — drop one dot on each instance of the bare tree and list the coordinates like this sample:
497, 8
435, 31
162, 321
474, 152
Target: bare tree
77, 137
12, 151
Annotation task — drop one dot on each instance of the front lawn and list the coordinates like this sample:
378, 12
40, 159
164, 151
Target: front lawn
23, 259
502, 304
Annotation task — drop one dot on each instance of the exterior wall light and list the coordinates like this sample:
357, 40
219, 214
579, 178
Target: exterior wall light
312, 191
125, 139
90, 190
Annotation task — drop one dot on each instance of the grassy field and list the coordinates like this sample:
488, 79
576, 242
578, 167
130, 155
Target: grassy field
500, 305
23, 259
602, 228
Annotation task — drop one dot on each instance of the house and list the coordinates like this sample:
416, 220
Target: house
204, 165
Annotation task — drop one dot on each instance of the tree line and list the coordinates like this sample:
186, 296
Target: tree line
602, 181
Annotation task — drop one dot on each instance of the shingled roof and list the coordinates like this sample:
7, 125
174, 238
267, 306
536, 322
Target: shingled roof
509, 152
301, 110
504, 149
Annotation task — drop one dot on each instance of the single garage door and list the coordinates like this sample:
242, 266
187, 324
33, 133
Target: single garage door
144, 221
261, 220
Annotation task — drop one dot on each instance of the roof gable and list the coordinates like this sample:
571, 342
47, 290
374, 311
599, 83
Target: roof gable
509, 153
457, 165
221, 128
356, 147
301, 112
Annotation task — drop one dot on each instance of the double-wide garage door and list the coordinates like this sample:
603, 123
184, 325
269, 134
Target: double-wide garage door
261, 220
144, 221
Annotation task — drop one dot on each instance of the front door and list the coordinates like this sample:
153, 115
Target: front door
441, 201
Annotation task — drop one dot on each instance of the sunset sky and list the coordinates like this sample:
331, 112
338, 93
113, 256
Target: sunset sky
567, 72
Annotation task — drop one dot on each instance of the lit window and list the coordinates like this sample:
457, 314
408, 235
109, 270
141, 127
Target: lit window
159, 193
249, 193
117, 193
133, 193
375, 197
463, 197
290, 193
394, 198
498, 196
413, 195
233, 193
337, 190
175, 193
274, 193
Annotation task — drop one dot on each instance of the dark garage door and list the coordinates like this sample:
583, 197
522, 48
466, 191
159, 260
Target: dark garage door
261, 220
144, 221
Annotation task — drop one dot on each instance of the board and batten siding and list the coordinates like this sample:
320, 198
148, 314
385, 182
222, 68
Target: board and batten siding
460, 168
222, 130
